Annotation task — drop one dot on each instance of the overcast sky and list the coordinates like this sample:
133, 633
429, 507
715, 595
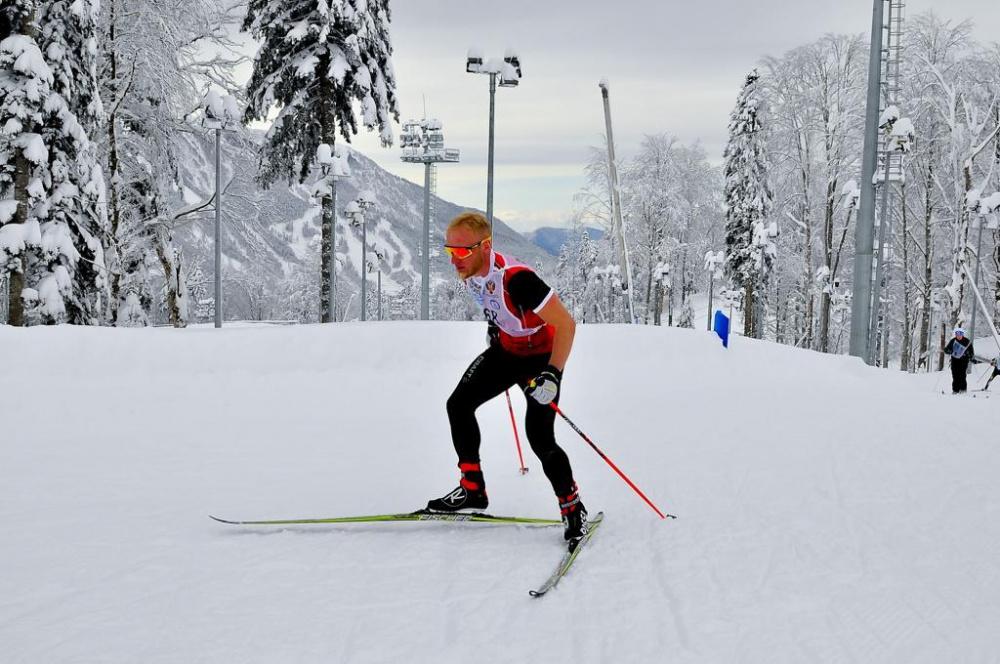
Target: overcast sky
673, 67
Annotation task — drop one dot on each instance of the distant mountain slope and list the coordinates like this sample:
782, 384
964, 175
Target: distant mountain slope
551, 239
269, 233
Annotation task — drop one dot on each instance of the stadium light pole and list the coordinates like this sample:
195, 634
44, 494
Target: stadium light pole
221, 114
508, 71
423, 143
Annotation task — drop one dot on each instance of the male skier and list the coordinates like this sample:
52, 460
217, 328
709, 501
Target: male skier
530, 337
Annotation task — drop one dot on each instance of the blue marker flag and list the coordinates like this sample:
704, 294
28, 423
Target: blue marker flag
721, 326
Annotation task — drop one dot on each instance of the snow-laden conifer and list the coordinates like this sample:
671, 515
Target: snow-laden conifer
25, 92
316, 61
77, 216
748, 203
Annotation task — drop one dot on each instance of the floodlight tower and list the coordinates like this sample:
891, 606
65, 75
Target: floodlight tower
423, 143
509, 72
883, 84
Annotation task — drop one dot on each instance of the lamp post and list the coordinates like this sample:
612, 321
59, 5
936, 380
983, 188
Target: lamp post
220, 113
618, 225
356, 211
713, 265
509, 72
334, 166
423, 143
662, 272
987, 209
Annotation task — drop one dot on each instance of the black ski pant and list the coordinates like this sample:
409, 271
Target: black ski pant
492, 372
958, 369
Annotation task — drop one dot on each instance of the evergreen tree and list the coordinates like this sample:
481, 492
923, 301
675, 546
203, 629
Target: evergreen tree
25, 89
77, 217
748, 202
315, 61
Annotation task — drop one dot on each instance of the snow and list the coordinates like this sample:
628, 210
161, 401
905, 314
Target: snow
221, 110
888, 116
213, 104
51, 288
57, 240
33, 147
29, 296
8, 208
827, 511
339, 66
324, 154
904, 128
28, 59
987, 205
902, 135
231, 109
15, 238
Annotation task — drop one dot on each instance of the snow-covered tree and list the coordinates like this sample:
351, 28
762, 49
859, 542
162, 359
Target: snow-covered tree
748, 203
77, 216
157, 61
25, 87
316, 60
814, 98
962, 102
50, 185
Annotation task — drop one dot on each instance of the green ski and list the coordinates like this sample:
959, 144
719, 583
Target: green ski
573, 550
419, 515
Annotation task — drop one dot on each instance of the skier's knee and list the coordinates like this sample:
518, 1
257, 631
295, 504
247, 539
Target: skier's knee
458, 404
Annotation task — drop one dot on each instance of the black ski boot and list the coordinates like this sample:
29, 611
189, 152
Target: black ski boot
574, 516
469, 495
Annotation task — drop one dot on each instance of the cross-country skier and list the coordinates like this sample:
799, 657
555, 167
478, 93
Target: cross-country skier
961, 351
993, 374
530, 337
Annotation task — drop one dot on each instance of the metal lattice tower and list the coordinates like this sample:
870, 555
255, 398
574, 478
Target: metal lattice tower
423, 143
889, 166
892, 47
434, 185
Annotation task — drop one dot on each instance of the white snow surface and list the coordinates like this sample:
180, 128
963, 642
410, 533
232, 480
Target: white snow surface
828, 512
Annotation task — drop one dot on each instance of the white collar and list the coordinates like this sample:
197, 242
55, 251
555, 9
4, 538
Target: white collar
480, 281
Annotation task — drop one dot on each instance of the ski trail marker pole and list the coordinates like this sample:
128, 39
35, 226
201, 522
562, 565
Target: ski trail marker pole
517, 439
611, 463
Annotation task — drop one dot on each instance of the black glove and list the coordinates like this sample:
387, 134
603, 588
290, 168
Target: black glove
544, 387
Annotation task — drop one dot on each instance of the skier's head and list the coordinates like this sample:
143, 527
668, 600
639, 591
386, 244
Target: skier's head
468, 243
959, 332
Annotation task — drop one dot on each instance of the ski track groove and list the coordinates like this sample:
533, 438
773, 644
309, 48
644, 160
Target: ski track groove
660, 567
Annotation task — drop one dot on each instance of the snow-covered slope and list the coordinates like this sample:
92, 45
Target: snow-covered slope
828, 512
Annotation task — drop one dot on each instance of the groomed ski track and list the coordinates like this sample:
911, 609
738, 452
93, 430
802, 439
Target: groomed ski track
828, 512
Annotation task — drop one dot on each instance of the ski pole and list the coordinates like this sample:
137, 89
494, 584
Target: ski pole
611, 463
517, 440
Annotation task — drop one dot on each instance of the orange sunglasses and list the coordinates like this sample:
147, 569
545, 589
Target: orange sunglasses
464, 252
